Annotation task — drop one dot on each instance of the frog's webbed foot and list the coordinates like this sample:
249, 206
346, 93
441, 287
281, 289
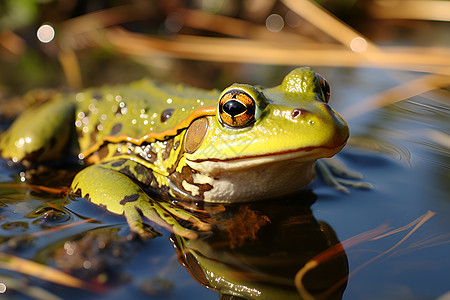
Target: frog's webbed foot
120, 194
331, 168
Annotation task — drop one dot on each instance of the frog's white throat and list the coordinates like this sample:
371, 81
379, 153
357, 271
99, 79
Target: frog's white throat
260, 178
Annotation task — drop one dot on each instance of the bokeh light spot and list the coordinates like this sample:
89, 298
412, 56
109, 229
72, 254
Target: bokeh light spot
174, 22
274, 23
45, 33
358, 44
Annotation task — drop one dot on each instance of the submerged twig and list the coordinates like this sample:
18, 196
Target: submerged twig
28, 267
32, 291
62, 191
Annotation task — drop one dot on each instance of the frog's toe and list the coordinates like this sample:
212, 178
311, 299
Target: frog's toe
137, 226
330, 169
186, 216
340, 169
160, 216
355, 184
341, 188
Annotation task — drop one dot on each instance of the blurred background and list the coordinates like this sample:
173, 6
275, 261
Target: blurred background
208, 43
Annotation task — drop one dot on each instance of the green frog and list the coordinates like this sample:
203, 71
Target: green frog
149, 146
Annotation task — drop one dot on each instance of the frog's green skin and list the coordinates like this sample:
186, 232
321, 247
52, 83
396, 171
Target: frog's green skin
145, 138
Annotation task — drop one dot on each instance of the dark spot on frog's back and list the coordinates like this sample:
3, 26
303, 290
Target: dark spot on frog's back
116, 128
118, 163
129, 198
166, 114
146, 175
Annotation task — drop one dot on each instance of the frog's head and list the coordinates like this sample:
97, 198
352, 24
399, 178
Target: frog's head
267, 133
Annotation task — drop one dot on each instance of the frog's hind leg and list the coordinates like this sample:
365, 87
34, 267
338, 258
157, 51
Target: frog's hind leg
41, 133
122, 195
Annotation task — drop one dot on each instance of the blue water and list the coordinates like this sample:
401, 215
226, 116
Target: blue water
402, 150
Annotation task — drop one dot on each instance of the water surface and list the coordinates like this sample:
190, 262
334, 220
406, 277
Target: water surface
402, 150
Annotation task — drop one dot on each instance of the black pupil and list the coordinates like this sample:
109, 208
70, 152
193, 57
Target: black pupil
234, 107
325, 87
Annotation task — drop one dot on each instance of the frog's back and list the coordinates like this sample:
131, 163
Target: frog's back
137, 109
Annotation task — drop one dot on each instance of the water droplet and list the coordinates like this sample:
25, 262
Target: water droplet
87, 264
79, 97
22, 176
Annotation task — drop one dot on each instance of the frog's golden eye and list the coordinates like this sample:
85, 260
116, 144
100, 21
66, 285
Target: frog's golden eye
237, 108
325, 87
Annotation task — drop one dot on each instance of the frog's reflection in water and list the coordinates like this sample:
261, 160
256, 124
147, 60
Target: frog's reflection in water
256, 250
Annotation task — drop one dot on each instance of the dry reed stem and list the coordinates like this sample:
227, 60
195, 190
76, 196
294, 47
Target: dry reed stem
71, 67
28, 267
12, 42
411, 9
327, 22
235, 27
397, 94
263, 52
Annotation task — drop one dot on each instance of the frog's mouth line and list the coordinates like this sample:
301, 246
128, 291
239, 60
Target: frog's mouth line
234, 164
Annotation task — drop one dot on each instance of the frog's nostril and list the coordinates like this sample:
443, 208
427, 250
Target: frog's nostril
297, 112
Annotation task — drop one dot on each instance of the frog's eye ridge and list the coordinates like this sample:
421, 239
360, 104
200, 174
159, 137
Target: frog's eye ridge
236, 108
325, 87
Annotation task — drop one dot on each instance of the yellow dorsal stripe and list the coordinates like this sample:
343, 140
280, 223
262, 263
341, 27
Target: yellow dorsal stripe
153, 136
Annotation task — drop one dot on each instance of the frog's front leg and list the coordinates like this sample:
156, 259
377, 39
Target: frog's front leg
331, 170
103, 184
